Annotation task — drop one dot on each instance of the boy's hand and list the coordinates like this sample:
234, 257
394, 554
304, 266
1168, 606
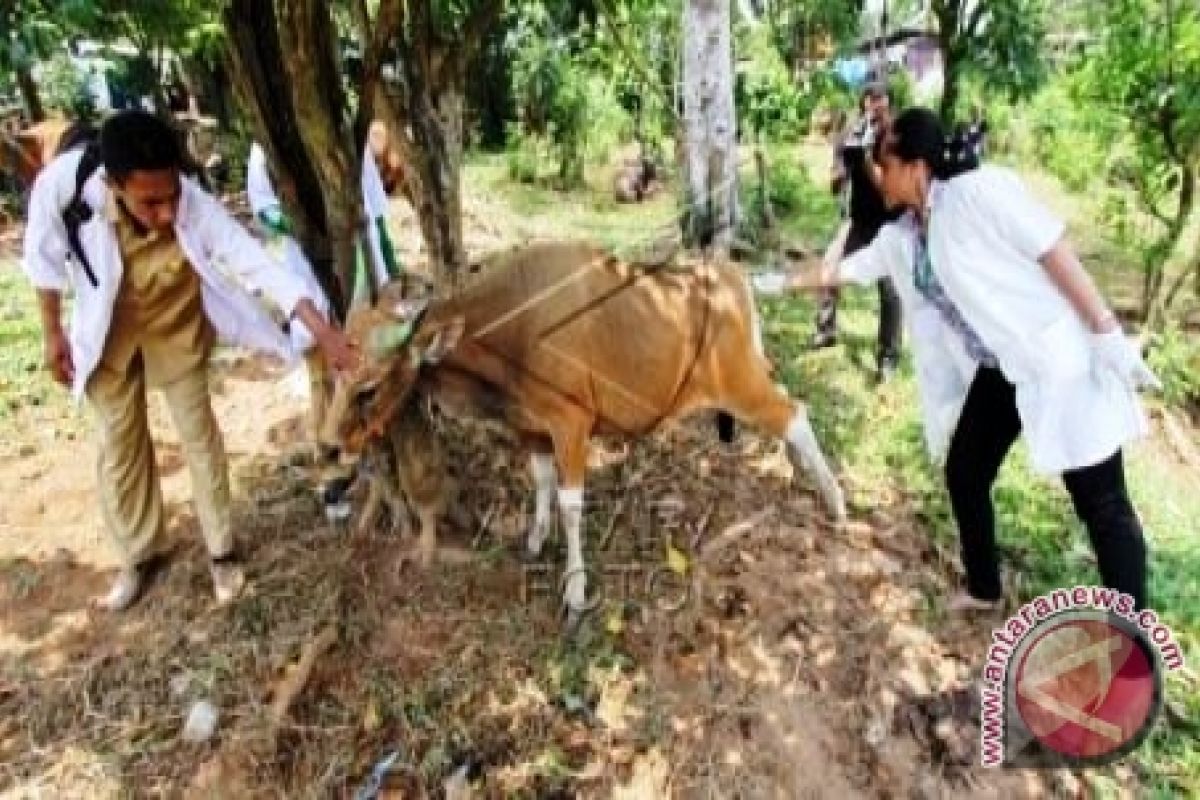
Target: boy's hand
57, 356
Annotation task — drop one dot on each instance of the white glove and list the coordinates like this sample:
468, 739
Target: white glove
1115, 351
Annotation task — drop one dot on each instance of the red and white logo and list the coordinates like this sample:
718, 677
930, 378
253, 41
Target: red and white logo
1086, 687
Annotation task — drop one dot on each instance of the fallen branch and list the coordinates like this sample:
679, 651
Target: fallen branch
296, 677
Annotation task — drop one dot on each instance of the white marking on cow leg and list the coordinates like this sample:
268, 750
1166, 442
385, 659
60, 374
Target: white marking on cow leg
545, 477
427, 542
803, 443
570, 501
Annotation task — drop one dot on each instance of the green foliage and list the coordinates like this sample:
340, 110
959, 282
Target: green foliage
1175, 358
1001, 43
768, 102
902, 89
1147, 70
804, 30
65, 89
636, 45
550, 85
1068, 137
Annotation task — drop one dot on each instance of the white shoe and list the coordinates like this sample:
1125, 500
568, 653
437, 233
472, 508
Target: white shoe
124, 591
963, 602
228, 581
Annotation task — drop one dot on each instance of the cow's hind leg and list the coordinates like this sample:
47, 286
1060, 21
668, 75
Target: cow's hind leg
570, 436
758, 402
545, 477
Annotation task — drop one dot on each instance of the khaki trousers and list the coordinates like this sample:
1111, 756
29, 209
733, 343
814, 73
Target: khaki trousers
126, 471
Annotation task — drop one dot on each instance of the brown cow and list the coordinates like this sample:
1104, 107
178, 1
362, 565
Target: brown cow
561, 341
24, 155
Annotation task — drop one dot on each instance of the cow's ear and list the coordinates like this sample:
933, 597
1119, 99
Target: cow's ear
444, 340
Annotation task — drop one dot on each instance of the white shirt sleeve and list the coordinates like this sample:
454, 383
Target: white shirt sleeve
45, 247
872, 262
1019, 218
230, 243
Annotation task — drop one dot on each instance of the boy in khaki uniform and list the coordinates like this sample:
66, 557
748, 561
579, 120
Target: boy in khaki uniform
148, 315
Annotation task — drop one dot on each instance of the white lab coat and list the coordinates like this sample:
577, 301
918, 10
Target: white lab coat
261, 195
986, 234
223, 254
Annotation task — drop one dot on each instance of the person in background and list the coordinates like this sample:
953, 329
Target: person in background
855, 170
142, 247
1009, 334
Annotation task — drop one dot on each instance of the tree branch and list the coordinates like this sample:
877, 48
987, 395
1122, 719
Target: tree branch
972, 27
618, 37
477, 25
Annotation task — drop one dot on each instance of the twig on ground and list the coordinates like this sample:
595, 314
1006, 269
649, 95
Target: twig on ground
293, 682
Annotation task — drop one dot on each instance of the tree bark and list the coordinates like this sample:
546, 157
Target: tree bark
262, 84
1154, 305
949, 18
436, 123
427, 112
30, 94
305, 33
709, 126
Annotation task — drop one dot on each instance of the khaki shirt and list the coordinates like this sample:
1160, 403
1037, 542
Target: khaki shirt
158, 312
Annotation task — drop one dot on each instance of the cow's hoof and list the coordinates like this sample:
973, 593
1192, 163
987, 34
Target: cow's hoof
572, 621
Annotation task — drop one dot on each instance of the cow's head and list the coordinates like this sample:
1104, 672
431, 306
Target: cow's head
396, 340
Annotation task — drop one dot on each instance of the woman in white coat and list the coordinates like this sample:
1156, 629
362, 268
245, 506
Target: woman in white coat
1009, 334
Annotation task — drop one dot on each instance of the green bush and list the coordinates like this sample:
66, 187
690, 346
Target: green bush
769, 104
65, 89
1061, 132
1175, 359
523, 156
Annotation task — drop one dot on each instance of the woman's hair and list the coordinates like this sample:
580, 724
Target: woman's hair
917, 135
136, 140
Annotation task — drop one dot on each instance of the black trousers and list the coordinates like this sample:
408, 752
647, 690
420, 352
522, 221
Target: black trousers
888, 345
986, 430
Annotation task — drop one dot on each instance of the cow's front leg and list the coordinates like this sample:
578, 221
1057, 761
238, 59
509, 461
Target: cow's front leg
545, 477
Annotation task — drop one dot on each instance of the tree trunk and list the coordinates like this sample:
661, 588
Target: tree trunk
263, 83
432, 105
306, 34
709, 126
1154, 305
436, 122
951, 70
949, 19
29, 93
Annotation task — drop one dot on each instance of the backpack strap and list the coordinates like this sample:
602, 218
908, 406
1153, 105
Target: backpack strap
77, 211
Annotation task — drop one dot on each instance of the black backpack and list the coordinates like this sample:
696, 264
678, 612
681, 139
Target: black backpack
76, 212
